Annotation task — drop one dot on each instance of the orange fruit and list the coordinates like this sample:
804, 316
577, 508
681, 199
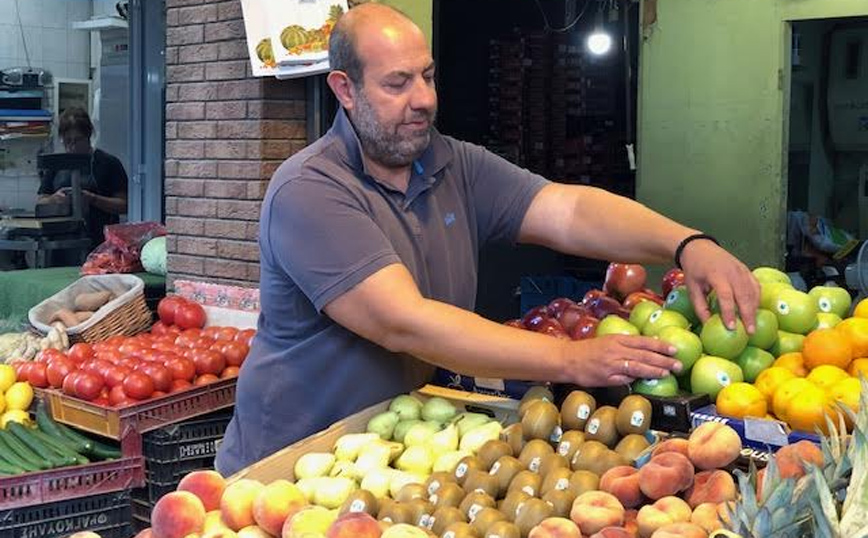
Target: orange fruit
861, 310
787, 392
856, 331
808, 410
847, 392
827, 346
741, 400
857, 367
826, 375
770, 379
793, 362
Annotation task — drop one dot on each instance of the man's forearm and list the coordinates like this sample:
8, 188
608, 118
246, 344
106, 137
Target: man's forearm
110, 204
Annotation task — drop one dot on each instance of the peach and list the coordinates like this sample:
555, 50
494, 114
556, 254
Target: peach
623, 483
595, 510
663, 512
213, 520
666, 474
713, 445
275, 503
355, 524
630, 524
177, 514
236, 506
217, 533
311, 520
676, 444
613, 532
555, 527
791, 459
680, 530
207, 485
706, 516
710, 487
254, 532
145, 533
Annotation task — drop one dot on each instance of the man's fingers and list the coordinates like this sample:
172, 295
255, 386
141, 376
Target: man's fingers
642, 370
727, 305
700, 302
649, 344
619, 379
656, 360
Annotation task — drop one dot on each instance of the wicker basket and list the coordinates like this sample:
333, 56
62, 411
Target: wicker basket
126, 320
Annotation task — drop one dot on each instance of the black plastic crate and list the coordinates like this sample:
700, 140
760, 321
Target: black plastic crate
176, 450
141, 512
108, 515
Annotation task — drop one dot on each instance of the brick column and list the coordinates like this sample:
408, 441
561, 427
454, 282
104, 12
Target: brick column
226, 133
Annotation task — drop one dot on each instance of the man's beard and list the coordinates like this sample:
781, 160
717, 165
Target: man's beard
383, 143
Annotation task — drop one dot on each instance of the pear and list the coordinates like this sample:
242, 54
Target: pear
415, 459
438, 409
478, 436
400, 479
384, 424
377, 481
345, 468
446, 440
446, 462
332, 492
372, 456
314, 464
420, 434
467, 421
308, 487
347, 446
407, 407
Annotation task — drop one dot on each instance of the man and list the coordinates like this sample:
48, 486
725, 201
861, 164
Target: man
369, 241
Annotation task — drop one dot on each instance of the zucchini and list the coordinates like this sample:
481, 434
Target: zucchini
61, 448
13, 457
75, 441
104, 451
8, 468
34, 444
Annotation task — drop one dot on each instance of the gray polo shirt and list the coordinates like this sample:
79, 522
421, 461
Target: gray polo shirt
327, 225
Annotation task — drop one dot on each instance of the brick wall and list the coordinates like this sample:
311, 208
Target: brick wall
226, 133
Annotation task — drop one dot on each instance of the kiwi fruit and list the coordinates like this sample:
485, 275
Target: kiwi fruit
537, 392
540, 420
504, 470
478, 480
511, 502
583, 481
631, 446
561, 501
526, 481
395, 512
502, 529
464, 466
360, 500
552, 461
436, 480
492, 451
634, 415
588, 453
577, 408
476, 501
556, 479
485, 518
531, 513
449, 494
609, 459
532, 454
514, 437
420, 508
571, 440
459, 529
601, 426
410, 492
443, 517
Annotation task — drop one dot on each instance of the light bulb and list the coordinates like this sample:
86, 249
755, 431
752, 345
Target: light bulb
599, 42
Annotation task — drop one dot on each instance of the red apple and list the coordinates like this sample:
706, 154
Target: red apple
557, 306
516, 323
551, 327
622, 279
571, 314
638, 296
534, 317
672, 279
592, 294
585, 327
603, 306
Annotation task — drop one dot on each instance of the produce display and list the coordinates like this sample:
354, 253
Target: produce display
25, 345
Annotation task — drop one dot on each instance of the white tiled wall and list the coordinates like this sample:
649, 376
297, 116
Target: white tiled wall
50, 44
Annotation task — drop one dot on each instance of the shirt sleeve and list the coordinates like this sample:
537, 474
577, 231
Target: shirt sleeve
115, 180
501, 193
320, 235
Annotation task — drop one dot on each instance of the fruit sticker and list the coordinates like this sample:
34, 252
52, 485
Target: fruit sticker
637, 419
723, 379
473, 510
494, 468
461, 470
562, 484
593, 426
357, 505
534, 464
584, 412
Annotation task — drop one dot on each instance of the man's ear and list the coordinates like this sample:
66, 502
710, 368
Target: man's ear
342, 87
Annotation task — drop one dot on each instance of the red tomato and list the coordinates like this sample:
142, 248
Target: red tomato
181, 368
111, 355
138, 385
81, 352
235, 353
97, 367
161, 375
202, 342
130, 348
104, 392
116, 340
17, 364
159, 329
230, 371
37, 375
102, 401
227, 333
186, 338
180, 384
167, 308
190, 316
130, 363
208, 362
245, 336
24, 371
46, 355
117, 396
58, 369
69, 382
115, 375
87, 386
205, 379
158, 394
211, 332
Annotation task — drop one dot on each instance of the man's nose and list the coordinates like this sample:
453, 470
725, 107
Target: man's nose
424, 95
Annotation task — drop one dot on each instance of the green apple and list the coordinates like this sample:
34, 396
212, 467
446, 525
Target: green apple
679, 301
769, 274
684, 382
796, 311
641, 312
665, 386
719, 341
766, 330
661, 318
831, 300
769, 294
713, 303
827, 320
613, 324
710, 374
689, 345
787, 343
752, 361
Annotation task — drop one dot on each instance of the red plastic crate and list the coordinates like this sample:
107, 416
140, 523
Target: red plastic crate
149, 415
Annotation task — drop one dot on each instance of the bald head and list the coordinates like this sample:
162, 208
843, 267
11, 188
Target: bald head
369, 21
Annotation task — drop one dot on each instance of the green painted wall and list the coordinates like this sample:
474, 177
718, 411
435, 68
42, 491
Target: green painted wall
713, 89
418, 10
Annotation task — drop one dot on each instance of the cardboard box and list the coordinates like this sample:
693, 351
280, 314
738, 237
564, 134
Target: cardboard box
281, 463
761, 434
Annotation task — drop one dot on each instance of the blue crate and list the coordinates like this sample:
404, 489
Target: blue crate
541, 290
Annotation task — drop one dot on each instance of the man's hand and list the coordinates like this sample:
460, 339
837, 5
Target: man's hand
620, 360
709, 267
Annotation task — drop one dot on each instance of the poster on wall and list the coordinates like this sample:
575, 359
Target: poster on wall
289, 38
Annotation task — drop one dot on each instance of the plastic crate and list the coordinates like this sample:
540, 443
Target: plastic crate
141, 512
172, 452
541, 290
108, 515
142, 417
